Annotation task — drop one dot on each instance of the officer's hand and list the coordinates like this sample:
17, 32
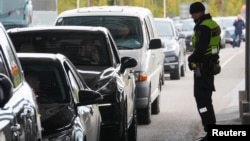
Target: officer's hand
190, 66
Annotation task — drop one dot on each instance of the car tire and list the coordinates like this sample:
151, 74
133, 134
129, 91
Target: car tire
144, 114
175, 75
162, 77
124, 135
182, 71
156, 106
132, 131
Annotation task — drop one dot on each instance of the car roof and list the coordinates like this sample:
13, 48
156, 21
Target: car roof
76, 28
164, 19
133, 11
42, 57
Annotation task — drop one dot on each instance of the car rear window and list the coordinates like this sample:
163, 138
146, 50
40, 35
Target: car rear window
67, 43
46, 82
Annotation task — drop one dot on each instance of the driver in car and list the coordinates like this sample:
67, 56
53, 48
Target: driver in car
88, 52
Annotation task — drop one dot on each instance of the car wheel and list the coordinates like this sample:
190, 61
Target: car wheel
182, 71
144, 114
156, 106
162, 77
124, 135
175, 75
132, 132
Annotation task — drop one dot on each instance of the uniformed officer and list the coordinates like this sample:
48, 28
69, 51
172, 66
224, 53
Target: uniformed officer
204, 61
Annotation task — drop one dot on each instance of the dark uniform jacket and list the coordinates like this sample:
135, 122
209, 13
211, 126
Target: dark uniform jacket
203, 37
198, 56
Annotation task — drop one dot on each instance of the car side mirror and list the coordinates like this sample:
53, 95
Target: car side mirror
155, 43
6, 89
127, 62
88, 96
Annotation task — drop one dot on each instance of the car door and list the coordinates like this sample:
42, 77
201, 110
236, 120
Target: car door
89, 114
20, 111
156, 60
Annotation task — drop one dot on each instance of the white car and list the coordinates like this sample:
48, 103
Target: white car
144, 45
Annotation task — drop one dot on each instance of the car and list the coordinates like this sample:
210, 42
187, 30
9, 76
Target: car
188, 29
19, 113
112, 75
227, 24
142, 43
223, 35
174, 48
67, 105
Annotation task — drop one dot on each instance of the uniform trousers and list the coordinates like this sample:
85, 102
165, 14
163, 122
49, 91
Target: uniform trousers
203, 89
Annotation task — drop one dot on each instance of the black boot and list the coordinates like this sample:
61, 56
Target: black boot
204, 138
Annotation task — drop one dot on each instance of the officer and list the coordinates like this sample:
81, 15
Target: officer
204, 61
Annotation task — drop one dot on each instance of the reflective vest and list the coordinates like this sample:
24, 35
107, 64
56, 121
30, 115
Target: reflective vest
213, 47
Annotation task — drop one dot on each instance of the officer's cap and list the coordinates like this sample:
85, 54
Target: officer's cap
196, 7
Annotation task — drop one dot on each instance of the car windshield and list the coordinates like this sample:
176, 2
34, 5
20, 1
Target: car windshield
188, 25
115, 24
14, 12
82, 48
164, 28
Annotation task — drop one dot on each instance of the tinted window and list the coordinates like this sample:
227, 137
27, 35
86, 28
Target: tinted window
46, 82
82, 48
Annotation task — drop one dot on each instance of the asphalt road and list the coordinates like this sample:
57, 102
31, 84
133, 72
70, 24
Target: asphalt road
179, 119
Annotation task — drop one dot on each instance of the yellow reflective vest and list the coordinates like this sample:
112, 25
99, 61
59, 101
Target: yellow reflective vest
213, 47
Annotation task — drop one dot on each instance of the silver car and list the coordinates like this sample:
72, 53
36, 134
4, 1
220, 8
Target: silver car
174, 48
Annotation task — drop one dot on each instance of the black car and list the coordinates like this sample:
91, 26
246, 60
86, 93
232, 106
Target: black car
67, 105
19, 114
106, 73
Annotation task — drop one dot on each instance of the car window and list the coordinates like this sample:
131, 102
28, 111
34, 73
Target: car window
75, 85
15, 71
164, 28
114, 24
82, 48
188, 25
46, 82
149, 27
147, 32
115, 51
2, 65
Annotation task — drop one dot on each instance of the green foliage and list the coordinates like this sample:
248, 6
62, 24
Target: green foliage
215, 7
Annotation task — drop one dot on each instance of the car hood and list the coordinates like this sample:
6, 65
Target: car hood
187, 33
104, 81
169, 43
167, 39
50, 114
